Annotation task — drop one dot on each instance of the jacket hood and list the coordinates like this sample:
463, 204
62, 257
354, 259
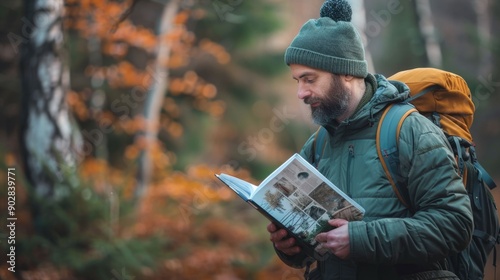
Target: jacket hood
387, 92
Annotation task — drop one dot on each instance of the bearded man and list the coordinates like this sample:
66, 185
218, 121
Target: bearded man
392, 241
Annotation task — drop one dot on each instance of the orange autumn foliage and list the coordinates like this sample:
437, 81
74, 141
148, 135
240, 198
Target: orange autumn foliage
207, 248
202, 92
222, 56
98, 19
93, 18
76, 102
183, 207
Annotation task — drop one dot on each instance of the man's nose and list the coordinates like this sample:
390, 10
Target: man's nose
303, 92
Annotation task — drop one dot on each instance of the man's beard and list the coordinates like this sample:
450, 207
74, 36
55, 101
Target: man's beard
333, 105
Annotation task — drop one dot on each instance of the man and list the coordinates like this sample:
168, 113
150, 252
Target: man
327, 60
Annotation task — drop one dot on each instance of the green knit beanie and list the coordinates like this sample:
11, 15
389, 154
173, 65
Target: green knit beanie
330, 43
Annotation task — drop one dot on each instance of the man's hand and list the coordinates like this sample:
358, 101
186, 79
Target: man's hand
280, 240
337, 239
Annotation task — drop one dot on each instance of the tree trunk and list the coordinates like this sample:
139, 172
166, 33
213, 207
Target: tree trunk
155, 96
50, 141
482, 8
428, 31
359, 20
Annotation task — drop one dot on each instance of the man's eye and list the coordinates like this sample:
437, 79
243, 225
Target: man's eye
309, 81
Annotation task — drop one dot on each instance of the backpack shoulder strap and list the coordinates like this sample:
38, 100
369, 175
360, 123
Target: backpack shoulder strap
423, 92
318, 146
483, 174
387, 144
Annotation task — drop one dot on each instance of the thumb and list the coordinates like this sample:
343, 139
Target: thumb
337, 222
321, 237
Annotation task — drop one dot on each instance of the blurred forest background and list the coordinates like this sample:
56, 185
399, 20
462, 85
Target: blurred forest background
117, 114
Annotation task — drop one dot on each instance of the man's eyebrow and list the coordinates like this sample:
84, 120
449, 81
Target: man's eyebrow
304, 75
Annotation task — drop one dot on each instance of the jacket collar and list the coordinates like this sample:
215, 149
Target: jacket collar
386, 92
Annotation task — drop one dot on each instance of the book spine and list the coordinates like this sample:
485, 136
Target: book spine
253, 204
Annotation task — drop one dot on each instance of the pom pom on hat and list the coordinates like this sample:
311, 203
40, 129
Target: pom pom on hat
330, 43
338, 10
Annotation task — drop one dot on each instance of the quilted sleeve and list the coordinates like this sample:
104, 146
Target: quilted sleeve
442, 220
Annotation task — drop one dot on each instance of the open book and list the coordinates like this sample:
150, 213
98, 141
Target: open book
298, 198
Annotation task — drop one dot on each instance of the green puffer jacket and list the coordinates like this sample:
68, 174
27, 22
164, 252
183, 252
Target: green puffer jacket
390, 240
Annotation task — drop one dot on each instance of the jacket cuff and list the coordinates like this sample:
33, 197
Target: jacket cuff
357, 233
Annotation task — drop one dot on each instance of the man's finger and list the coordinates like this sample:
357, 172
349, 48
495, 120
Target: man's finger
271, 227
321, 237
278, 235
337, 222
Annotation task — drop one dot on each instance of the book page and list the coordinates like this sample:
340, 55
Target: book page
242, 188
303, 200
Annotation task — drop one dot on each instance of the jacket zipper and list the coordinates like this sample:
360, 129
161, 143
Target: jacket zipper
349, 163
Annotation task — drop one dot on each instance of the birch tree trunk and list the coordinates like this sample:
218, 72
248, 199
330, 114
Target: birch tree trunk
155, 96
482, 8
359, 20
428, 32
50, 141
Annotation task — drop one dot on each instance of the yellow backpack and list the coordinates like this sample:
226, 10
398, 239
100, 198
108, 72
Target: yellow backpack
445, 99
449, 99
